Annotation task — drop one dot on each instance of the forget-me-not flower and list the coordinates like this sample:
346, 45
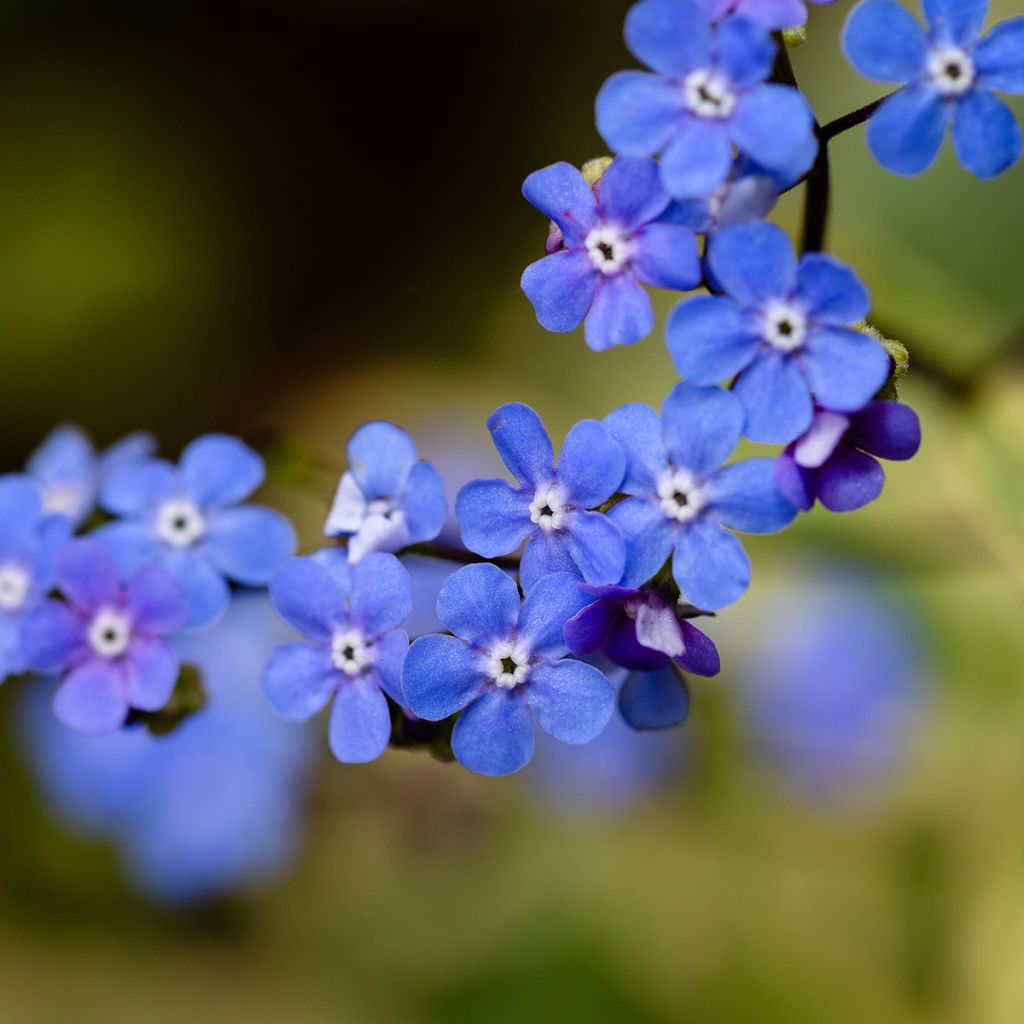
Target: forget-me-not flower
611, 241
505, 665
190, 519
706, 99
550, 507
684, 501
782, 327
950, 75
769, 14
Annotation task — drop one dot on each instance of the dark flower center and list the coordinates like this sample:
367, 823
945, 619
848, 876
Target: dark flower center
607, 251
953, 71
509, 665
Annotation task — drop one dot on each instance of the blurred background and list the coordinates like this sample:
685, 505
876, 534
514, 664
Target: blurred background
283, 218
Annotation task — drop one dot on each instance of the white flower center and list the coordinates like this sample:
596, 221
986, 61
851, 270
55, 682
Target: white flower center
110, 633
609, 249
548, 508
180, 523
785, 326
708, 94
680, 495
15, 583
508, 664
350, 652
951, 70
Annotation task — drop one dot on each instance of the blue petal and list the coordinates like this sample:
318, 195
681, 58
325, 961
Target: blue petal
753, 262
986, 136
87, 575
666, 257
649, 538
636, 428
306, 597
776, 397
710, 565
999, 57
51, 636
744, 51
621, 315
380, 457
668, 36
299, 680
597, 547
882, 40
91, 700
249, 543
494, 517
155, 601
956, 21
701, 426
561, 193
773, 125
631, 192
832, 291
131, 448
138, 488
710, 338
654, 700
845, 368
479, 603
360, 724
745, 497
151, 672
849, 480
336, 561
562, 288
573, 701
66, 466
388, 659
546, 553
208, 595
549, 604
591, 464
131, 543
905, 133
441, 675
424, 505
494, 735
522, 443
698, 158
381, 596
638, 113
796, 483
20, 509
774, 14
220, 470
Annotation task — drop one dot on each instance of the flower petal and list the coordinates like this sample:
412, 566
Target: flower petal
825, 432
631, 192
666, 257
648, 535
305, 595
710, 565
889, 430
139, 487
546, 553
380, 457
51, 636
91, 699
441, 675
220, 470
774, 126
424, 505
360, 725
348, 509
591, 464
701, 427
151, 672
986, 136
494, 517
775, 394
155, 601
774, 14
745, 497
796, 484
754, 263
479, 603
906, 131
20, 509
494, 735
87, 575
249, 543
549, 605
208, 595
299, 680
624, 649
849, 480
701, 655
658, 628
698, 158
562, 194
131, 543
522, 443
744, 51
844, 368
883, 40
587, 631
710, 338
561, 287
833, 292
999, 57
388, 659
654, 700
381, 596
621, 314
638, 113
956, 21
596, 547
572, 700
668, 36
636, 428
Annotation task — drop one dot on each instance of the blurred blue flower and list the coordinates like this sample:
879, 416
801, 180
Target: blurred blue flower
769, 14
707, 98
214, 806
388, 499
505, 660
951, 76
549, 508
612, 239
682, 498
782, 328
189, 518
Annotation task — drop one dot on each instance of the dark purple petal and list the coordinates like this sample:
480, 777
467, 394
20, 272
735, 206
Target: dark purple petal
796, 484
588, 630
849, 480
625, 649
889, 430
701, 655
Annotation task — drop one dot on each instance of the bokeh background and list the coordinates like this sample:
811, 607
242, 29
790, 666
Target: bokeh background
283, 218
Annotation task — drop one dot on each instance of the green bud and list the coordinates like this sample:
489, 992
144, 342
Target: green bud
593, 170
900, 357
189, 697
794, 37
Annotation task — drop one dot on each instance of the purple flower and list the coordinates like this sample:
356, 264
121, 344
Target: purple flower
610, 242
683, 498
769, 14
834, 461
388, 499
189, 518
707, 98
950, 77
549, 509
350, 614
782, 328
29, 539
505, 665
107, 639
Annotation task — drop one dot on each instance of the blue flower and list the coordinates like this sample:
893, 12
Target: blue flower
70, 472
29, 539
782, 327
190, 520
683, 498
107, 639
835, 461
505, 664
350, 614
610, 243
707, 97
950, 75
388, 499
769, 14
550, 507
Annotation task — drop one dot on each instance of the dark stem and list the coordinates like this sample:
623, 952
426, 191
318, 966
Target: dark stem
457, 553
850, 120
